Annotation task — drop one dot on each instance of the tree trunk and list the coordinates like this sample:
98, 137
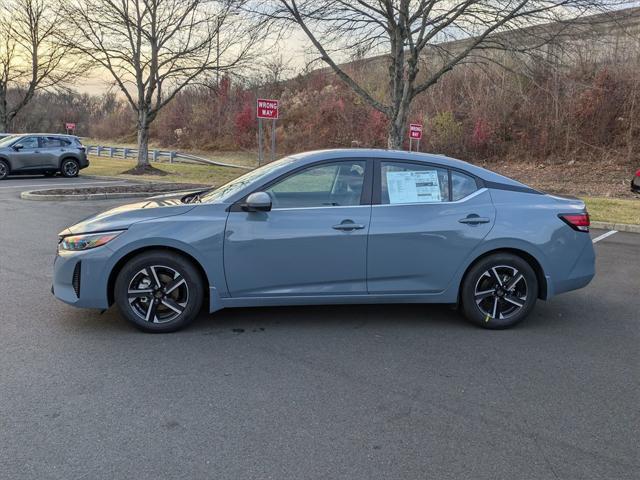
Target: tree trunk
397, 128
143, 139
4, 117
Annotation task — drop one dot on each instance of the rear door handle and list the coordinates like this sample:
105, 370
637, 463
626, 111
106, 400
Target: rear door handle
348, 225
474, 220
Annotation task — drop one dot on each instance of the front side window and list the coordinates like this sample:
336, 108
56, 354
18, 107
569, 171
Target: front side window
28, 143
412, 183
326, 185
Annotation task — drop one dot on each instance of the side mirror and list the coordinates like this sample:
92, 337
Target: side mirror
18, 147
257, 202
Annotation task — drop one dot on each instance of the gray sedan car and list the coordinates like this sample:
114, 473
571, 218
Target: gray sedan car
48, 154
328, 227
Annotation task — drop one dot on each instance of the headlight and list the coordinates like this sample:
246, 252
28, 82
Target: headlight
87, 240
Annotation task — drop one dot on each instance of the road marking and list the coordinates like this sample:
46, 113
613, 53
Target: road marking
57, 185
603, 236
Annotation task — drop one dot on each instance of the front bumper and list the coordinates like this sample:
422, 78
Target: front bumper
91, 284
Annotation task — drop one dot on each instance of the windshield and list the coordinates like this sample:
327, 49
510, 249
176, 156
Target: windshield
4, 141
228, 189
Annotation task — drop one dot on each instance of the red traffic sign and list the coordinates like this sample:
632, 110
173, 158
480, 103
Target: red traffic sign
70, 126
415, 131
268, 108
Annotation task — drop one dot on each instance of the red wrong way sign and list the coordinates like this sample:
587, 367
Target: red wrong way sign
415, 131
268, 108
70, 126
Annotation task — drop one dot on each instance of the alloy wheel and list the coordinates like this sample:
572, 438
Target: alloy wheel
3, 170
70, 169
158, 294
501, 292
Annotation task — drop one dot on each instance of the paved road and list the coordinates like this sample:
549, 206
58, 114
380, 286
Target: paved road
371, 392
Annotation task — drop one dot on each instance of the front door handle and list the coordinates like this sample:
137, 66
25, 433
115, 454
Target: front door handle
348, 226
474, 220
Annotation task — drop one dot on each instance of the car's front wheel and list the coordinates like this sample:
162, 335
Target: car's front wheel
69, 168
159, 291
499, 291
4, 169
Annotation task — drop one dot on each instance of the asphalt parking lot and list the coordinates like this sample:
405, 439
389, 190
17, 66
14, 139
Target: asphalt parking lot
348, 392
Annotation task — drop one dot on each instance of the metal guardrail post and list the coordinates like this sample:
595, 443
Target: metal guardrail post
172, 156
125, 152
154, 156
99, 150
111, 152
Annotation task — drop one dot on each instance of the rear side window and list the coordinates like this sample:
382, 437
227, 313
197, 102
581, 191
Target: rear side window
53, 142
403, 183
462, 185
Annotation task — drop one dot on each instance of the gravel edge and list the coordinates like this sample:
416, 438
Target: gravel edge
33, 195
620, 227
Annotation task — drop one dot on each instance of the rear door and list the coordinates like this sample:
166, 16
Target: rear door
52, 149
425, 222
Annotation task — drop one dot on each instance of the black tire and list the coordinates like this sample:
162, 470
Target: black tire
4, 170
69, 168
140, 274
515, 290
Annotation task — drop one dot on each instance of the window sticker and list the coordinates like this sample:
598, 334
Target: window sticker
413, 187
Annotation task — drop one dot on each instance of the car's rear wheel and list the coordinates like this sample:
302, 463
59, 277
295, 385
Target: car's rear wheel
69, 168
499, 291
159, 292
4, 169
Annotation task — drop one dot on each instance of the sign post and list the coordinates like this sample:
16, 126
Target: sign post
415, 133
70, 127
267, 109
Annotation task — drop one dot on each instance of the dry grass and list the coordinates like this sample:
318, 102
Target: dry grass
614, 210
176, 172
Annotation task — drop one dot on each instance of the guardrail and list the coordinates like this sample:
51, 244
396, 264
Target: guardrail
169, 156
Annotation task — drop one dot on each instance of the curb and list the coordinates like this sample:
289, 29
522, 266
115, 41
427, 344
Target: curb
620, 227
32, 195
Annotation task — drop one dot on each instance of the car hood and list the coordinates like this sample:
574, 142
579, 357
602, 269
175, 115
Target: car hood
123, 217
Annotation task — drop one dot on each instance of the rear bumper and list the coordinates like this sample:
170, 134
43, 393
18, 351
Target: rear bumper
580, 275
83, 162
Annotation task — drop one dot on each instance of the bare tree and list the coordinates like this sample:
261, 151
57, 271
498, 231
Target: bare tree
153, 49
31, 56
417, 36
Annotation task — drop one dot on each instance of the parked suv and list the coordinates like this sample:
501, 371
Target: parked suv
47, 154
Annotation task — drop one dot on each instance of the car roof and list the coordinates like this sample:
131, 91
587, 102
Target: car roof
400, 155
42, 135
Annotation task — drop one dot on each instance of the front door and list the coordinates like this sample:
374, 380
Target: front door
26, 155
423, 226
312, 242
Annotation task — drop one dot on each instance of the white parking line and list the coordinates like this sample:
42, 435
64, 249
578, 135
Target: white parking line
604, 235
55, 185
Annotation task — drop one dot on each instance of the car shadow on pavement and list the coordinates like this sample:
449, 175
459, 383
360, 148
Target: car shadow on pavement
560, 313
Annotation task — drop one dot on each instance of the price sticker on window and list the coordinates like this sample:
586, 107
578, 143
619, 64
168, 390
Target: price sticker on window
414, 187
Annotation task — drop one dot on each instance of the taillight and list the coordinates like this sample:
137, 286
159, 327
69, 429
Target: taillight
638, 173
577, 221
